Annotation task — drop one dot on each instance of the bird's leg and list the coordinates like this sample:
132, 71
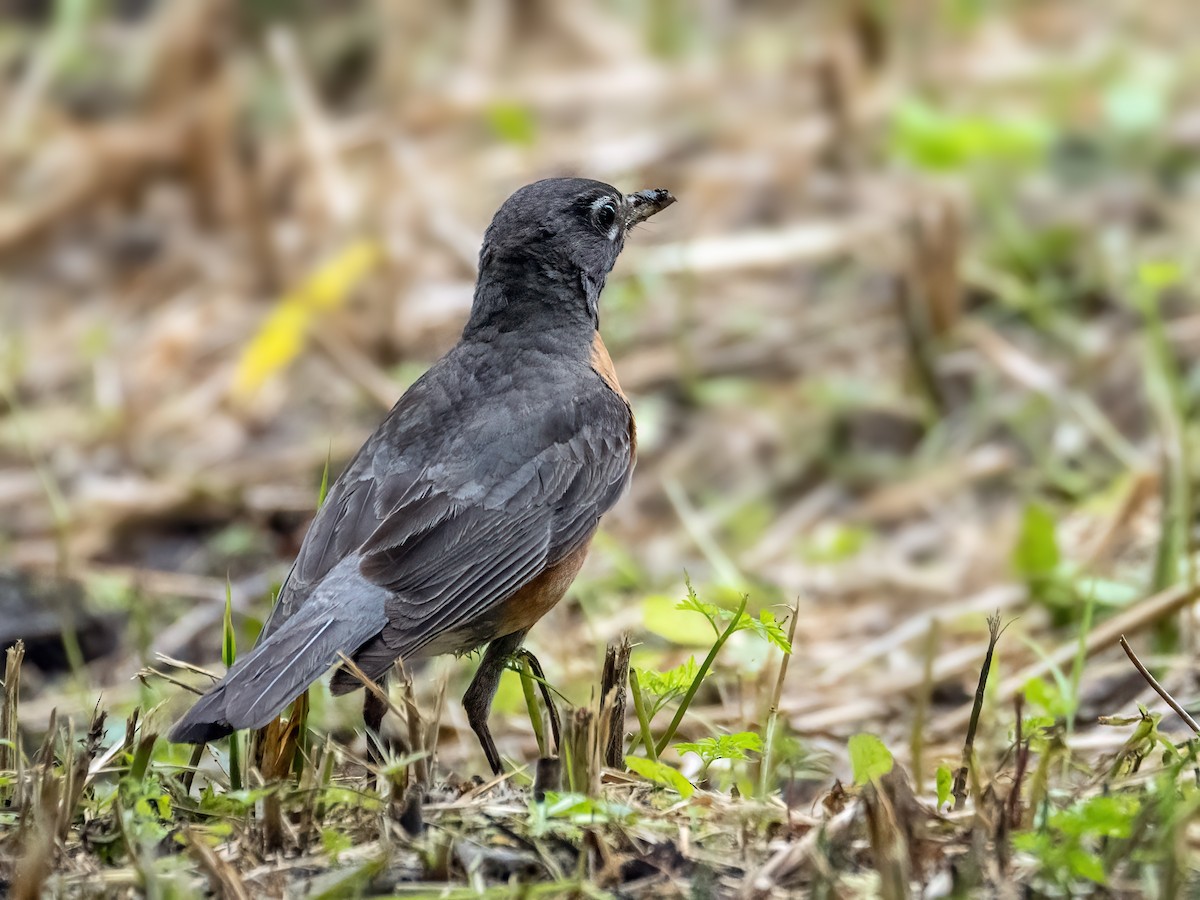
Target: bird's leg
477, 701
551, 709
374, 709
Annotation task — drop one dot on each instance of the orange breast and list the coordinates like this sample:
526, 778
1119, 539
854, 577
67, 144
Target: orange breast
602, 365
538, 597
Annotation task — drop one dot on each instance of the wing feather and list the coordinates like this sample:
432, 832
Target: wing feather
452, 527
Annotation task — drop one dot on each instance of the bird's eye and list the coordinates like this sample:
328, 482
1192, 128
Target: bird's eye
606, 216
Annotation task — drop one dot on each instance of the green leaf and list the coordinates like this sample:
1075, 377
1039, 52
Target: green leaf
399, 765
1158, 274
767, 627
348, 881
661, 688
725, 746
1086, 865
1036, 554
228, 639
945, 783
869, 758
834, 543
935, 140
247, 797
1139, 103
583, 810
693, 603
662, 774
1108, 591
513, 123
1046, 697
1102, 816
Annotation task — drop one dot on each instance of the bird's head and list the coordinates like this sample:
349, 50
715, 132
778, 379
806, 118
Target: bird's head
559, 239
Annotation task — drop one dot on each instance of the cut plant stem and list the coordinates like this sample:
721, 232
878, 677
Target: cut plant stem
700, 674
613, 679
9, 746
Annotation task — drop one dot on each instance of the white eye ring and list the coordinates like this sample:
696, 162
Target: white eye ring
604, 211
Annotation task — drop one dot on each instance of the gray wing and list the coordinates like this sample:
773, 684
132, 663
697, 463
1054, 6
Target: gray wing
452, 530
453, 561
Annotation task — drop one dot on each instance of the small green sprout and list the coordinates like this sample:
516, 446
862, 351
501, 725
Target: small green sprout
870, 760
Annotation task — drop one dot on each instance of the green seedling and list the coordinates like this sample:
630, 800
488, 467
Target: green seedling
652, 691
228, 657
733, 747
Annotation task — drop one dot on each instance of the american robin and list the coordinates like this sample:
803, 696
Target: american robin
467, 514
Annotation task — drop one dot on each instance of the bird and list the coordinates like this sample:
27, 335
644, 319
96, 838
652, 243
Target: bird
466, 515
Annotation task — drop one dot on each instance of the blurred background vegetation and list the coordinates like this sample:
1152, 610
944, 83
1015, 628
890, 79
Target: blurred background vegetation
917, 343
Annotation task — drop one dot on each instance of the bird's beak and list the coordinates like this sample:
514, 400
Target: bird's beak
642, 205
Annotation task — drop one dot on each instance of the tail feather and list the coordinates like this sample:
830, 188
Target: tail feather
271, 680
204, 722
346, 612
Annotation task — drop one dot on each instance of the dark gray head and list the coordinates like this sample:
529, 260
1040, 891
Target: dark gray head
550, 247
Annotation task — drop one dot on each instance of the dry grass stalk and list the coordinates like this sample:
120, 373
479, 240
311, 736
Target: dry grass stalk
224, 877
275, 751
412, 717
34, 865
1158, 688
959, 790
922, 356
434, 727
340, 197
889, 844
1021, 745
1136, 617
796, 856
370, 685
78, 772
